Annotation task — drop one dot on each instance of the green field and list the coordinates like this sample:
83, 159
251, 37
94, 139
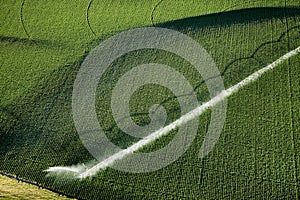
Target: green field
43, 43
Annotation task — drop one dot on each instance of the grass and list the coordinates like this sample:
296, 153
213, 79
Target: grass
257, 153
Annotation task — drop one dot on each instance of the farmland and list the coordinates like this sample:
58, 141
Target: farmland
42, 46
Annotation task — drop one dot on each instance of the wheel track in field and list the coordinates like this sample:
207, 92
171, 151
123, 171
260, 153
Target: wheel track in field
22, 19
291, 108
153, 11
27, 33
201, 181
87, 17
251, 56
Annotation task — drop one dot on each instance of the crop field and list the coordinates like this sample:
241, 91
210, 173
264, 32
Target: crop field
43, 44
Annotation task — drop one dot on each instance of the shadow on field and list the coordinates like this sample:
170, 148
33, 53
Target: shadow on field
38, 126
228, 18
30, 42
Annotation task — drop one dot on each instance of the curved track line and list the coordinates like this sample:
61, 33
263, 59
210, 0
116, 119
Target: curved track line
22, 20
153, 10
87, 17
291, 113
189, 116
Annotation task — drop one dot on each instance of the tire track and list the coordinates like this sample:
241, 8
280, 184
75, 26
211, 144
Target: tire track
202, 172
291, 113
22, 19
87, 17
153, 10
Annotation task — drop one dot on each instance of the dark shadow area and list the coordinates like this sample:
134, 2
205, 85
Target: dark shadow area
228, 18
30, 42
35, 129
